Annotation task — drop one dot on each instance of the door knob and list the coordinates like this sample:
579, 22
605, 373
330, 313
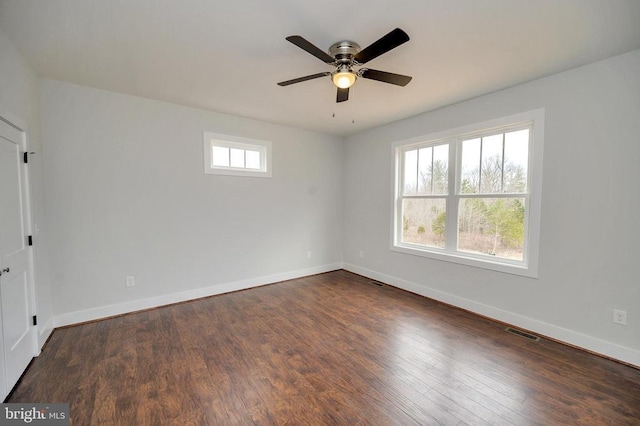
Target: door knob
6, 270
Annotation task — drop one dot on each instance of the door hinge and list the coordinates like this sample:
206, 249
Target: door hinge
30, 240
35, 320
25, 156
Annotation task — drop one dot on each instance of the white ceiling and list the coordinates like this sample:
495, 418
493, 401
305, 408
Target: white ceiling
228, 55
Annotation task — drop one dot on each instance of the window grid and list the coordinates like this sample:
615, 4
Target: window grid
228, 164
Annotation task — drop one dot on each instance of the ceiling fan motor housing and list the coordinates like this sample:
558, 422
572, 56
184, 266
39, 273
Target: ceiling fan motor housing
344, 51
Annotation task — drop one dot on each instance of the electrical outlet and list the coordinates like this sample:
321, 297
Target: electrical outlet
308, 255
361, 254
129, 281
620, 317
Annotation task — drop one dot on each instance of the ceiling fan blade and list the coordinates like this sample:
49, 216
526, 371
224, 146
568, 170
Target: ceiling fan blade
305, 78
343, 95
386, 77
311, 48
390, 41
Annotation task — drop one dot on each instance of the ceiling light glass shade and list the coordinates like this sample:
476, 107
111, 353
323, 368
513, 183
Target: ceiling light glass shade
344, 79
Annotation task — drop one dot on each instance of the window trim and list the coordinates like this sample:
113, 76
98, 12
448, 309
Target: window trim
211, 139
529, 266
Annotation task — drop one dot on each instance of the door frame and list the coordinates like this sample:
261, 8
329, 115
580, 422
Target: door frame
21, 126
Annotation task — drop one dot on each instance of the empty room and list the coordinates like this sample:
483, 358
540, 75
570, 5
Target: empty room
291, 212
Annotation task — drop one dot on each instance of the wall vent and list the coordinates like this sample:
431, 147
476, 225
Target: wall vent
522, 334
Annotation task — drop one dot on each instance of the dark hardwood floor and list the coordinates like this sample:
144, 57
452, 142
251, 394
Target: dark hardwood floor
328, 349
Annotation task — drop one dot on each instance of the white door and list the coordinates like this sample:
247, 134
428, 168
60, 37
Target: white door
16, 301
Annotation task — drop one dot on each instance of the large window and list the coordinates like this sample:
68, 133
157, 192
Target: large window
472, 195
231, 155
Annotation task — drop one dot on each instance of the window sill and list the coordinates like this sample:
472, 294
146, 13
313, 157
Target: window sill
232, 172
503, 266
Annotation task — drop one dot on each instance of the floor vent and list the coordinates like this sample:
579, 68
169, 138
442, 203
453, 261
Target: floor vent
522, 334
378, 283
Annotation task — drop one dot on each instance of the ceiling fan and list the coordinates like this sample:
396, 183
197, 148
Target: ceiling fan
345, 55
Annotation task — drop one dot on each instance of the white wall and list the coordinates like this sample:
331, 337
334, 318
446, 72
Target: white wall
19, 102
128, 196
590, 210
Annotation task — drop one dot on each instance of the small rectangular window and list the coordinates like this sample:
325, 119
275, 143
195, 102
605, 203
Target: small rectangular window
236, 156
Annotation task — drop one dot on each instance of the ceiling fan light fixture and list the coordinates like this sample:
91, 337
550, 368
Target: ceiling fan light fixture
343, 78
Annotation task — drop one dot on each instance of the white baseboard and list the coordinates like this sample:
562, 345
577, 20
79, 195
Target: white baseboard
593, 344
100, 312
44, 332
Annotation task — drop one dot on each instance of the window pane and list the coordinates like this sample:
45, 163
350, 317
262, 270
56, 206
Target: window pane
410, 171
423, 221
516, 159
253, 159
491, 177
470, 166
492, 226
424, 170
440, 169
220, 156
237, 157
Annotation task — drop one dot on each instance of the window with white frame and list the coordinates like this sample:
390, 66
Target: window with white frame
472, 195
236, 156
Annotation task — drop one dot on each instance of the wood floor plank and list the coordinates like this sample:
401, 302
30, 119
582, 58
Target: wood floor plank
332, 348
